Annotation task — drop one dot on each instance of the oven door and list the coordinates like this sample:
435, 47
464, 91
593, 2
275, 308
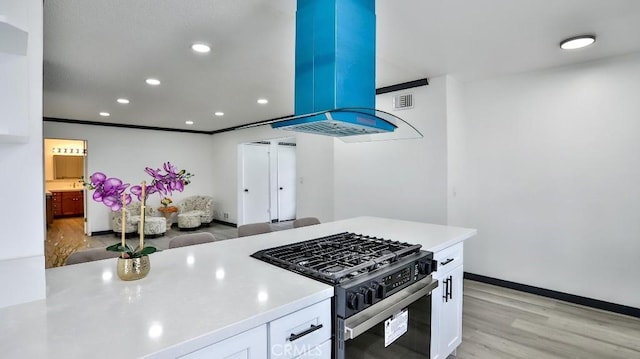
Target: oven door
364, 332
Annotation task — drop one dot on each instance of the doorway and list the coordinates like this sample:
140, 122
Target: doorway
267, 181
65, 166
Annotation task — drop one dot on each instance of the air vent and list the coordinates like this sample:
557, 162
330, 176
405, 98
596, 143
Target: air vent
402, 102
334, 128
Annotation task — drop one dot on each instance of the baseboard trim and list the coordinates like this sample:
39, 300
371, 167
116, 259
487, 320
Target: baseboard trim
571, 298
101, 233
225, 223
127, 235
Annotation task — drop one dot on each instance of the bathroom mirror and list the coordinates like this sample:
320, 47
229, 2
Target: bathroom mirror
68, 167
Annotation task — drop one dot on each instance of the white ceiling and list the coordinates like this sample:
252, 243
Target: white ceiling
96, 51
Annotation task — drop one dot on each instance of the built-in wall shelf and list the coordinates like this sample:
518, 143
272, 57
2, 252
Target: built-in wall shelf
14, 87
13, 40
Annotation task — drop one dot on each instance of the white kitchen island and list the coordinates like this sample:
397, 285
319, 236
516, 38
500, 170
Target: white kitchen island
193, 297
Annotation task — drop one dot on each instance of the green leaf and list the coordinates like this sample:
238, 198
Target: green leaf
147, 250
119, 248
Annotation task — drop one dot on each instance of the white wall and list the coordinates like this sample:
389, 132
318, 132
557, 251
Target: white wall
404, 179
458, 185
315, 186
22, 276
124, 153
554, 158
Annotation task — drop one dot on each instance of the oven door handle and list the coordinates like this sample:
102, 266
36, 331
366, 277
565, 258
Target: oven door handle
368, 318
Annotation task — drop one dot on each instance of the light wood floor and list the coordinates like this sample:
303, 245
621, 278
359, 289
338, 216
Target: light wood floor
64, 236
504, 323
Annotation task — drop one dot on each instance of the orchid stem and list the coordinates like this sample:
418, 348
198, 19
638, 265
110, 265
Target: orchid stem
123, 222
142, 213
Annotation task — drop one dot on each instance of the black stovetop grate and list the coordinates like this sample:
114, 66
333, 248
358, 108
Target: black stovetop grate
337, 257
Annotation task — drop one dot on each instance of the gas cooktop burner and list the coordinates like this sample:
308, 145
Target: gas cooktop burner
337, 257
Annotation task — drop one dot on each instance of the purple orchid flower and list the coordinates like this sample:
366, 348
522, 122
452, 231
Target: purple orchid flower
109, 190
153, 173
98, 179
169, 168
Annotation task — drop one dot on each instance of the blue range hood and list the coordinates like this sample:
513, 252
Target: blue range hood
335, 70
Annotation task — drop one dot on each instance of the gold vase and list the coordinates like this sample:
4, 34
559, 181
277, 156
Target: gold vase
133, 268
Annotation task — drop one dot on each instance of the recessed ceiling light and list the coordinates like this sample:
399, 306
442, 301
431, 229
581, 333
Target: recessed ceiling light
263, 101
189, 122
123, 101
153, 82
577, 42
201, 48
219, 113
105, 114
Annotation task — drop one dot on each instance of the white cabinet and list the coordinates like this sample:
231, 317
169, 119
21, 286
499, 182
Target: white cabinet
301, 333
446, 320
251, 344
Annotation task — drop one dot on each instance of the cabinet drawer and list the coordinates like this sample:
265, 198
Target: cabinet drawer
251, 344
448, 259
74, 194
296, 333
322, 351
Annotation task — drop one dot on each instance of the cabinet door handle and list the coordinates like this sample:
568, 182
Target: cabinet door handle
445, 296
449, 260
451, 287
311, 329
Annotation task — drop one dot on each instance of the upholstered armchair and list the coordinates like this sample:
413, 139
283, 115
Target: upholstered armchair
201, 206
132, 220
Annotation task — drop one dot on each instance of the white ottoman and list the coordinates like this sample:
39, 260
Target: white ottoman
154, 227
189, 221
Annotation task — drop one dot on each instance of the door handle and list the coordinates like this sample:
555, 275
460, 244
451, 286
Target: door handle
366, 319
445, 295
246, 190
312, 329
451, 287
449, 260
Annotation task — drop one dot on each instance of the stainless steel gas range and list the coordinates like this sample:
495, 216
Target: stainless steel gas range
382, 302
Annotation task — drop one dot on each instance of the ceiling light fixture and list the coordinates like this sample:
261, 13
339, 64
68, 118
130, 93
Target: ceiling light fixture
123, 101
577, 42
152, 82
189, 122
201, 48
219, 113
263, 101
105, 114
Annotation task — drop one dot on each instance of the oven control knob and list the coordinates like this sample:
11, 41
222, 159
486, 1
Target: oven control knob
369, 295
380, 290
355, 301
424, 267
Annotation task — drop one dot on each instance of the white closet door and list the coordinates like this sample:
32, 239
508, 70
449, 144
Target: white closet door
255, 180
286, 183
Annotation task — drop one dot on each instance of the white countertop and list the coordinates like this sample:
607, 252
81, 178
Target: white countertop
78, 189
193, 296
